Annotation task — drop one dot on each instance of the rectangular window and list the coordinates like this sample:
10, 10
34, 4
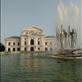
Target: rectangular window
25, 38
46, 49
38, 48
9, 43
38, 38
50, 43
18, 43
24, 49
50, 49
24, 43
38, 43
13, 43
13, 49
9, 49
18, 49
45, 43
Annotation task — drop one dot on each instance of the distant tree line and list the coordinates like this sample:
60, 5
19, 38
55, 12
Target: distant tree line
2, 47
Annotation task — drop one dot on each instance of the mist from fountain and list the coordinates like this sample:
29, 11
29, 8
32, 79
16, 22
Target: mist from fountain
68, 31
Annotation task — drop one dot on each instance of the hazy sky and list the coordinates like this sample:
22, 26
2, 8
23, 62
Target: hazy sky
16, 14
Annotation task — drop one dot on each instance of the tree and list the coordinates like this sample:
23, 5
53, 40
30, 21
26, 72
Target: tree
2, 47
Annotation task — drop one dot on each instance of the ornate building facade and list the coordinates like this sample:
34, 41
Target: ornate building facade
31, 39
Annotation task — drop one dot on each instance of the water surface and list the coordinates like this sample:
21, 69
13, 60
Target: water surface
27, 68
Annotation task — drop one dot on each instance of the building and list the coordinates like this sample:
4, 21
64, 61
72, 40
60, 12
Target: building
12, 44
31, 39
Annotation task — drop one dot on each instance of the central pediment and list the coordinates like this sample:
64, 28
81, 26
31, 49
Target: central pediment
33, 28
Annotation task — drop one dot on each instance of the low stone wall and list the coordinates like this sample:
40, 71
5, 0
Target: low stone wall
5, 53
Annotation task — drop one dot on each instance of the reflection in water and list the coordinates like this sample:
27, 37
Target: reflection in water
70, 72
27, 68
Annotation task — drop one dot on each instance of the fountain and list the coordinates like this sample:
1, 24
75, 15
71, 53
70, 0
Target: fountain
68, 34
67, 41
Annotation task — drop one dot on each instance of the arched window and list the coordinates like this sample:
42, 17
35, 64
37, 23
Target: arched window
9, 49
32, 42
13, 49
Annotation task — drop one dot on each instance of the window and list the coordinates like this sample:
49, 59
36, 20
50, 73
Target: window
38, 38
46, 49
24, 49
50, 43
13, 43
25, 38
32, 42
18, 49
50, 49
13, 49
9, 50
38, 48
18, 43
32, 49
24, 43
38, 43
9, 43
45, 43
36, 33
26, 32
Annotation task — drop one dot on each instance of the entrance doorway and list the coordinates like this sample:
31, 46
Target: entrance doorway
32, 49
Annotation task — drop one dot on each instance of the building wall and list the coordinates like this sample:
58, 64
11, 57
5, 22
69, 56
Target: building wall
12, 44
31, 34
28, 37
49, 44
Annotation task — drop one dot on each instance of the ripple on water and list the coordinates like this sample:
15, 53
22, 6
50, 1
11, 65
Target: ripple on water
26, 68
